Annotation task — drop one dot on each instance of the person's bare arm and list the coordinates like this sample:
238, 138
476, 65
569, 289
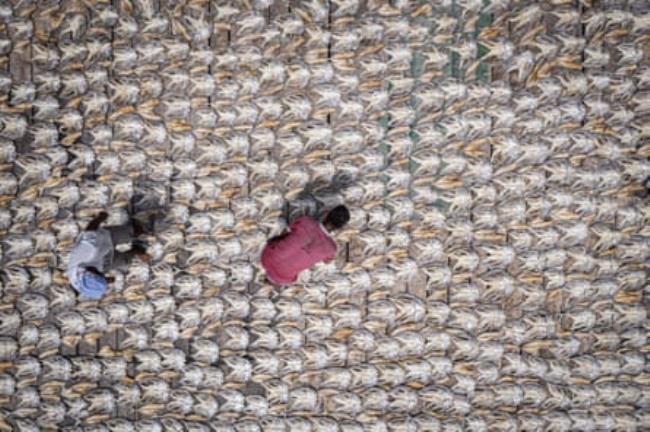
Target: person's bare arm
279, 237
286, 232
97, 221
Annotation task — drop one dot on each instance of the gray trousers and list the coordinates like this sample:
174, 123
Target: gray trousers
122, 235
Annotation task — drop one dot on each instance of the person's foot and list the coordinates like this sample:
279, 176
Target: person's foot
138, 228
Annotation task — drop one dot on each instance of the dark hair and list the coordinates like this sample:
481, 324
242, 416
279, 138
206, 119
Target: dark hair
93, 269
337, 217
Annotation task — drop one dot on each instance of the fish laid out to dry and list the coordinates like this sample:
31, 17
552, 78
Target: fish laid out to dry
494, 155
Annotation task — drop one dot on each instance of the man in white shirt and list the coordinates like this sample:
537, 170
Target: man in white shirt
94, 254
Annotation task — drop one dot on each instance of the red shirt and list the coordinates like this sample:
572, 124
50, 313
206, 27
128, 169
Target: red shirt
306, 244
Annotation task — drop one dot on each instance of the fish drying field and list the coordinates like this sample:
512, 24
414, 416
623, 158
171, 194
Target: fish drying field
493, 155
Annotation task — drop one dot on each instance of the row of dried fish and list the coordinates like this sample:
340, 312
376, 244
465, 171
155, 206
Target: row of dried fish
517, 202
510, 208
191, 178
149, 395
605, 224
480, 421
320, 366
600, 90
614, 102
313, 139
372, 337
253, 26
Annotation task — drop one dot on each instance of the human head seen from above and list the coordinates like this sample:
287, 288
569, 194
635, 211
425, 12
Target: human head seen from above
336, 218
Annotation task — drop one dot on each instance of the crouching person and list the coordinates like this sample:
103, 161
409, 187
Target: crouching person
94, 254
306, 243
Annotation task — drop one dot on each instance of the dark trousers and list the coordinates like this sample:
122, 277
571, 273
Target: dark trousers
122, 235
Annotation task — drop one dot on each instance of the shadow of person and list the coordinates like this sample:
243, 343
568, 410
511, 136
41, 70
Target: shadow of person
147, 219
318, 197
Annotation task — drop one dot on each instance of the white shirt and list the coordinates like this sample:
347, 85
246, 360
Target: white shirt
92, 249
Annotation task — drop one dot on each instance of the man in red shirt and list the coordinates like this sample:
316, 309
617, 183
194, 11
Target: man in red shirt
306, 243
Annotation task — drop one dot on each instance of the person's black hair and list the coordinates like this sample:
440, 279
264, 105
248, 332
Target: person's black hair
94, 269
337, 217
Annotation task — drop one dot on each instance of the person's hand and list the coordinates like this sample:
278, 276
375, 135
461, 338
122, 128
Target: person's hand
145, 257
97, 221
141, 252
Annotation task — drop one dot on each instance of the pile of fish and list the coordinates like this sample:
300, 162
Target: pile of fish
493, 155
